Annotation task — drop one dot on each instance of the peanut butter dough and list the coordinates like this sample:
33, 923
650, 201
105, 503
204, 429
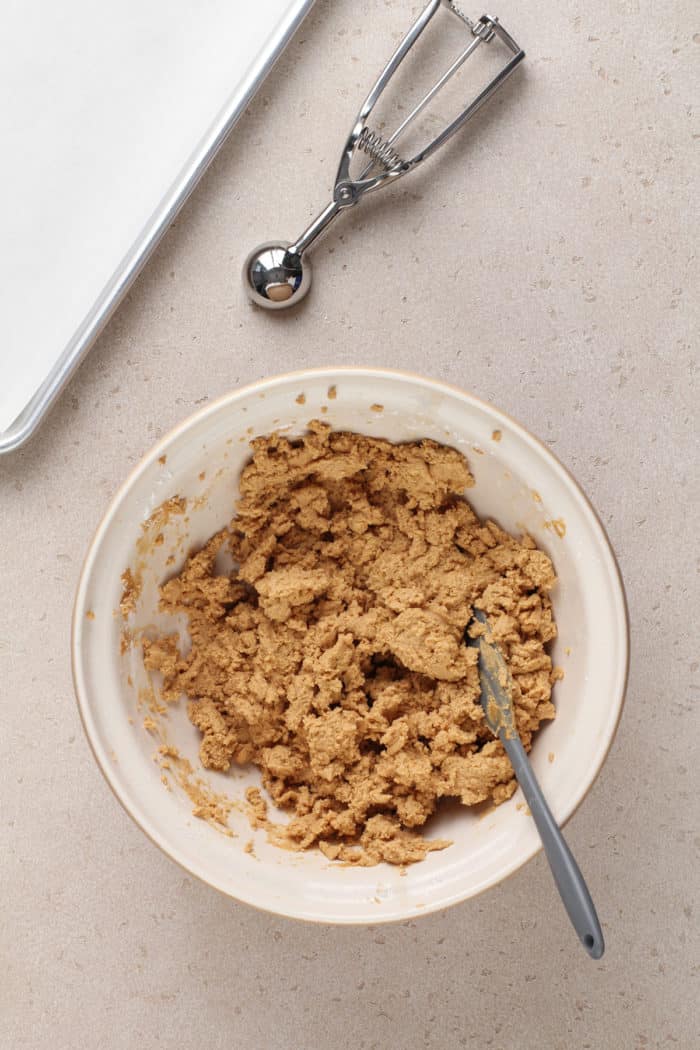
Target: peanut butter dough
332, 657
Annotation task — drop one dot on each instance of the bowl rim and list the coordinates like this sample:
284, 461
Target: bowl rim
257, 387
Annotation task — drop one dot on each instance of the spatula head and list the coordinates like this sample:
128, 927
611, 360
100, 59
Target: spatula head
495, 678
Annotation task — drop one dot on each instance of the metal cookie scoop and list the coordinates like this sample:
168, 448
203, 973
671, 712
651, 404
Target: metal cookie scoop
496, 688
277, 274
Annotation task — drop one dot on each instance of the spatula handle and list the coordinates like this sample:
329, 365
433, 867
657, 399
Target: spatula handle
567, 875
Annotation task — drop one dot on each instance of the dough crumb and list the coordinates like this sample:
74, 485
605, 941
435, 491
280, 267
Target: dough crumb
257, 808
207, 805
332, 657
131, 592
168, 509
557, 525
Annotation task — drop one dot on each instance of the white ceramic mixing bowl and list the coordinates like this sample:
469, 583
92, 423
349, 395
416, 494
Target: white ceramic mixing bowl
518, 482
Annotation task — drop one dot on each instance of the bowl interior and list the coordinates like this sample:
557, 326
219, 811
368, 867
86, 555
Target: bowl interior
518, 483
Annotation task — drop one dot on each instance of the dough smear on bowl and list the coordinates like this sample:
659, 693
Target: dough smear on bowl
332, 657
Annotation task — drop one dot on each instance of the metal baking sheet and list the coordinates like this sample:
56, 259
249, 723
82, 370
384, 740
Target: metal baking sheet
108, 117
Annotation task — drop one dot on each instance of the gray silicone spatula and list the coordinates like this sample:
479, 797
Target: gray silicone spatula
496, 692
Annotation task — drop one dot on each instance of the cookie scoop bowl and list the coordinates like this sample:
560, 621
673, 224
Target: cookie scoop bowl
518, 483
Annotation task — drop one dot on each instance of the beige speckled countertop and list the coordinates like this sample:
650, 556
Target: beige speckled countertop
546, 262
